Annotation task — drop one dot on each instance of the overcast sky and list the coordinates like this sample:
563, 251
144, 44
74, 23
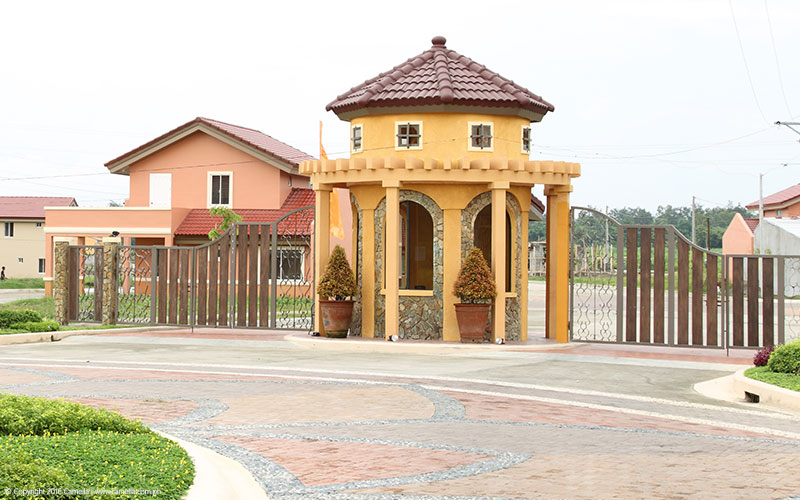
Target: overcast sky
658, 100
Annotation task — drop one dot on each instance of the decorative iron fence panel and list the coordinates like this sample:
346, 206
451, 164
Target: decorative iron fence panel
85, 282
135, 290
643, 284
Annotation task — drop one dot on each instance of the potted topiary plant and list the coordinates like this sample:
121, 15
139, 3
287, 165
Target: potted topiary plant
337, 283
476, 289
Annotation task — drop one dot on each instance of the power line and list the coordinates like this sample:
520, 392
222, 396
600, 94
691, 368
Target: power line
777, 64
744, 59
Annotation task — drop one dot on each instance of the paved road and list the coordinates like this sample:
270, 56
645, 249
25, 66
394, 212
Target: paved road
12, 294
519, 421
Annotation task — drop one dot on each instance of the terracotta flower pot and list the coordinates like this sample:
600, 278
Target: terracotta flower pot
336, 315
472, 320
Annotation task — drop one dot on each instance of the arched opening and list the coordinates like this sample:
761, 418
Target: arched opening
483, 239
416, 247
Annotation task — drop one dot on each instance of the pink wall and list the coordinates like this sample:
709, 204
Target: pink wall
738, 239
256, 184
790, 211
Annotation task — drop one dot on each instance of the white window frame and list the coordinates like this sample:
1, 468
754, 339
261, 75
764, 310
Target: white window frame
353, 148
470, 147
8, 229
522, 139
397, 146
302, 252
209, 184
41, 266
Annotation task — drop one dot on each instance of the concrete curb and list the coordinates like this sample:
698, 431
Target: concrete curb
216, 476
732, 388
30, 338
406, 347
767, 393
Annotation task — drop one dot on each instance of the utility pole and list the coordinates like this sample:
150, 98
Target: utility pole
607, 258
708, 233
760, 207
693, 240
790, 126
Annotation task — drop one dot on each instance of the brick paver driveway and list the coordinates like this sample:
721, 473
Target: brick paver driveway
579, 423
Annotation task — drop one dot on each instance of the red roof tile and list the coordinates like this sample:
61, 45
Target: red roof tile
751, 223
254, 138
439, 76
778, 198
31, 207
198, 222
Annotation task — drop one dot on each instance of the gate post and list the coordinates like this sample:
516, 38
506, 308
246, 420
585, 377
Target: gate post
110, 279
61, 281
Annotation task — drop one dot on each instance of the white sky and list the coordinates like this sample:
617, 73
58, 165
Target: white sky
649, 95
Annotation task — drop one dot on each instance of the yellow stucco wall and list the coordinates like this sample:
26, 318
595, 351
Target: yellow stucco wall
443, 135
26, 244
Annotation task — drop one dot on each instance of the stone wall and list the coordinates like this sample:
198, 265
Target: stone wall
468, 215
355, 323
420, 317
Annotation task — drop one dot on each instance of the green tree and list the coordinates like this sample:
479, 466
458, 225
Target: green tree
228, 217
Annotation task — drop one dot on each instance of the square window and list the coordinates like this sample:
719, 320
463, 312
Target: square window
39, 224
220, 189
356, 139
480, 136
526, 139
20, 260
290, 264
41, 266
9, 229
409, 135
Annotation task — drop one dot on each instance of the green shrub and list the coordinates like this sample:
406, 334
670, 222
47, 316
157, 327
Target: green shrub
475, 283
39, 416
20, 470
337, 281
785, 358
9, 317
36, 326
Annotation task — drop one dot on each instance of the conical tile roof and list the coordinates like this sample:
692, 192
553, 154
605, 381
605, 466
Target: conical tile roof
439, 76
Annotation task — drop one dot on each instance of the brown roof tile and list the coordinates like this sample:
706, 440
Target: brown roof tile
778, 198
751, 223
439, 76
198, 222
31, 207
254, 138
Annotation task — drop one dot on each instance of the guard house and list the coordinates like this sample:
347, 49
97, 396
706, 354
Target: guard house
439, 162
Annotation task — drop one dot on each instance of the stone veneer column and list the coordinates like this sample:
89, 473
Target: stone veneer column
61, 282
391, 259
499, 257
558, 262
322, 243
110, 279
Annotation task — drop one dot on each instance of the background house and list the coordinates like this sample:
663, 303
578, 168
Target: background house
176, 178
784, 203
22, 248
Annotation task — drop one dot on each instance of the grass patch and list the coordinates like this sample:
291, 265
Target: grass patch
44, 306
67, 446
22, 283
785, 380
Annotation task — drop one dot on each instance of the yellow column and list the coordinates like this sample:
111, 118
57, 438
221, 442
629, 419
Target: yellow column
391, 259
499, 257
368, 273
452, 263
558, 258
322, 246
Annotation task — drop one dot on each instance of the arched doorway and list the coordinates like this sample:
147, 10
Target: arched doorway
482, 239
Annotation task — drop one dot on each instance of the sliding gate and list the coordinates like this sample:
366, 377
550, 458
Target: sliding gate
648, 284
256, 275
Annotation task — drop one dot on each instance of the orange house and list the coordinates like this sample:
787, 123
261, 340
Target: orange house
176, 178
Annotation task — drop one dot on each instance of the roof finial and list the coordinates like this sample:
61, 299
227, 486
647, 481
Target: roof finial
439, 41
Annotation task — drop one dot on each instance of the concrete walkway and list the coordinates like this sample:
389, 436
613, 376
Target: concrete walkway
517, 421
12, 294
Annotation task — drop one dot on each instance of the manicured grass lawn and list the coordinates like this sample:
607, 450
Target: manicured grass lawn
785, 380
43, 306
22, 283
67, 446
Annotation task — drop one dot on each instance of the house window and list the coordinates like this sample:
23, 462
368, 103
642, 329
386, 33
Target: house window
356, 139
526, 139
220, 189
480, 136
290, 264
39, 224
409, 135
20, 260
778, 213
9, 227
41, 266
